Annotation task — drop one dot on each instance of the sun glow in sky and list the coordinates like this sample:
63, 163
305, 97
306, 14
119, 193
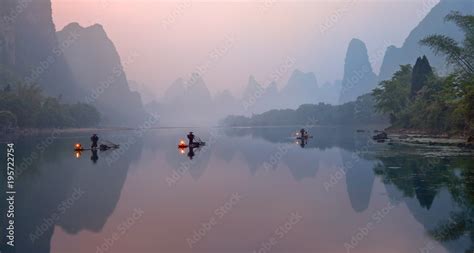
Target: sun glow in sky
172, 39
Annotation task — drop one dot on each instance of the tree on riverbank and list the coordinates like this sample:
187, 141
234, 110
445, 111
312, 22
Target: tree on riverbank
23, 105
422, 72
359, 112
417, 98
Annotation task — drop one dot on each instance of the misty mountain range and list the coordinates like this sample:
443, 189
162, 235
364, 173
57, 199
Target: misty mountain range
97, 68
433, 23
359, 78
76, 64
82, 64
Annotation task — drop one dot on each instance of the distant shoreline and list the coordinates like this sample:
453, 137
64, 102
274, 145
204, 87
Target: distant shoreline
413, 133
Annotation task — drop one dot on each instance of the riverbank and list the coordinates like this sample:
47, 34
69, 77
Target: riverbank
423, 137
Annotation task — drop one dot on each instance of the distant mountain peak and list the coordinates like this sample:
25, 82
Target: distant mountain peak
359, 77
357, 54
94, 60
433, 23
95, 31
357, 42
252, 80
298, 76
76, 25
182, 90
73, 25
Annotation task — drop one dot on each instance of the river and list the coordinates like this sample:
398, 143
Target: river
247, 190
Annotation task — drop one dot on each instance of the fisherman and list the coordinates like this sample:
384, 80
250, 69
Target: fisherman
303, 133
191, 138
94, 139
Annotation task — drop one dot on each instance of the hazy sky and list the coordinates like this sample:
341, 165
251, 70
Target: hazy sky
227, 41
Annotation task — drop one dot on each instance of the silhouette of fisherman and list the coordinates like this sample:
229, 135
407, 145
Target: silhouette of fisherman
191, 138
94, 139
94, 156
191, 153
302, 133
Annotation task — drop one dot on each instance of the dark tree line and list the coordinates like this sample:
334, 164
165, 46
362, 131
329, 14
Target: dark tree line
359, 112
25, 106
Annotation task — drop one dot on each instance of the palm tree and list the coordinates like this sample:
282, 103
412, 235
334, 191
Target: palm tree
460, 54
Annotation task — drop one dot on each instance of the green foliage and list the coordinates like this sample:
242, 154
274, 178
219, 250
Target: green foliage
24, 105
359, 112
422, 71
441, 105
419, 99
462, 56
392, 97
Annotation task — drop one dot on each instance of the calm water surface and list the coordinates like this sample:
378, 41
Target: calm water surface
248, 190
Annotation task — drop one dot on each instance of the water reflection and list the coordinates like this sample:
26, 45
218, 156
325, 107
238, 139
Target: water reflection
336, 183
439, 191
302, 142
58, 191
94, 156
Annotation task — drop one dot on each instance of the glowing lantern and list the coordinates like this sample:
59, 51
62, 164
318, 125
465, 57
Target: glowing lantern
77, 146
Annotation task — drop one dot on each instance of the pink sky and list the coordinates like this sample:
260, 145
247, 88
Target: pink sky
173, 38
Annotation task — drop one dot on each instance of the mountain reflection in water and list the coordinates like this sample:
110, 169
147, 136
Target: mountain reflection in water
153, 198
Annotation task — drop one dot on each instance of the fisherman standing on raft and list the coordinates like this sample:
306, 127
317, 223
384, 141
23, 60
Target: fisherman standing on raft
191, 138
94, 139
